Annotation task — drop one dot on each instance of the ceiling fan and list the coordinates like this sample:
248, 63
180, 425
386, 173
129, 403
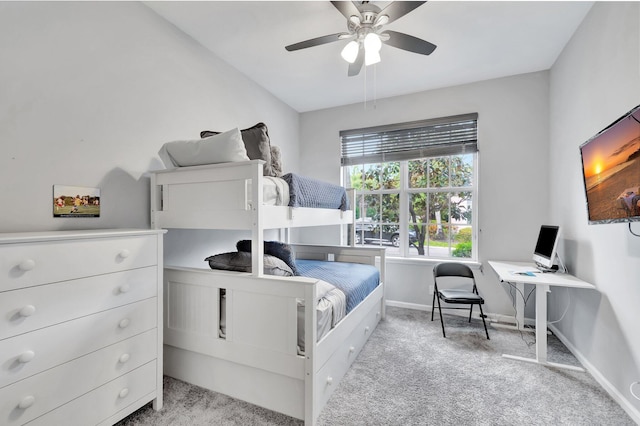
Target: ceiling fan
365, 22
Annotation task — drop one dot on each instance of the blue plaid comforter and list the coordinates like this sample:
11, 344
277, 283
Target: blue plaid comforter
308, 192
354, 279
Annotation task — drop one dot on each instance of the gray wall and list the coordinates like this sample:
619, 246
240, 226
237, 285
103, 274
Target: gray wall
91, 90
513, 179
595, 81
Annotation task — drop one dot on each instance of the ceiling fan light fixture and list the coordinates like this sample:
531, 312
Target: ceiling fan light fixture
372, 43
381, 20
371, 56
350, 51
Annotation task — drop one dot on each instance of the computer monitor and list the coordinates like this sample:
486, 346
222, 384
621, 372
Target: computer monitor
545, 252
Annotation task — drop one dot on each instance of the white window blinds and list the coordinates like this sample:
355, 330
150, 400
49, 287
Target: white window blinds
405, 141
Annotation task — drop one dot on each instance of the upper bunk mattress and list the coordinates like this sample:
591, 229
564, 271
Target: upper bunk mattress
308, 192
299, 191
275, 191
356, 280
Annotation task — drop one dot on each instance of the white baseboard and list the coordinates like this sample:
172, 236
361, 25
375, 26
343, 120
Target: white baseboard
406, 305
614, 393
490, 317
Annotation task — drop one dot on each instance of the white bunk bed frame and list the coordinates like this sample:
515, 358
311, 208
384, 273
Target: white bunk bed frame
257, 361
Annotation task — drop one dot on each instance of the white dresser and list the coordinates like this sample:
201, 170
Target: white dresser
80, 326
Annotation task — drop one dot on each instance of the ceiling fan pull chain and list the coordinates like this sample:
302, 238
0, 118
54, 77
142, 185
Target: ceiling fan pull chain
365, 87
375, 86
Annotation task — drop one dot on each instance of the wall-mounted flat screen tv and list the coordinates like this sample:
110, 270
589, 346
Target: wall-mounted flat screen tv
611, 171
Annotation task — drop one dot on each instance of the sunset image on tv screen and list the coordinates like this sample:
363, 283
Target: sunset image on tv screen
611, 171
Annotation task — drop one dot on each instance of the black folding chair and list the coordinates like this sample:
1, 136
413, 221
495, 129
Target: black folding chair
456, 296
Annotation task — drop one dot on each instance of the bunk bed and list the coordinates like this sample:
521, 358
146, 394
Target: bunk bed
255, 354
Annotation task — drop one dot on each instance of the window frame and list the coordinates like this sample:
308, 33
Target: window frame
439, 150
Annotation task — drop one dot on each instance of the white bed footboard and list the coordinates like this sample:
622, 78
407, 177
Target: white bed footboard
257, 360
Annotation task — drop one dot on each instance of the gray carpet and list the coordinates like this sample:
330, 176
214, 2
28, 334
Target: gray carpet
408, 374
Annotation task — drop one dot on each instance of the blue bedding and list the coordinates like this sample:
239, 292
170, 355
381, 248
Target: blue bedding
308, 192
354, 279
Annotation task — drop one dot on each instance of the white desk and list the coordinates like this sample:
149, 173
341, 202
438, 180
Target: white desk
507, 271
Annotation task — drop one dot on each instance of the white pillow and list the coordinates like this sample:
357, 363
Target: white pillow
221, 148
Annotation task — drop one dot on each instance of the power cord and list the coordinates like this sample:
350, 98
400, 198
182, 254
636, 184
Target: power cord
515, 310
565, 309
563, 267
631, 390
513, 295
633, 233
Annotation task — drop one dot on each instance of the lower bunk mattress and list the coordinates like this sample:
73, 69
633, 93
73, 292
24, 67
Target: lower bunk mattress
355, 280
342, 287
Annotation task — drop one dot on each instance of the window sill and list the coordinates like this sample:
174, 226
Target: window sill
474, 264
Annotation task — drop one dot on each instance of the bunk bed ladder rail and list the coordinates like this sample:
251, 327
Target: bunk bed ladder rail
257, 225
351, 234
311, 410
156, 201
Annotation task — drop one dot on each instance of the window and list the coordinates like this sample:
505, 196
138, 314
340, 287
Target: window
416, 186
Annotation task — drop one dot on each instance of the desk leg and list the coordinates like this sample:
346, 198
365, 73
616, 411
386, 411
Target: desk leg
541, 322
541, 333
520, 305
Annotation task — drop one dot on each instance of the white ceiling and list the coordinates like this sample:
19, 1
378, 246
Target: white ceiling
477, 40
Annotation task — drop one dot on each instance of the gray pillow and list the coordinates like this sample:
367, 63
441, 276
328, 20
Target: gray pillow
257, 143
276, 161
240, 261
277, 249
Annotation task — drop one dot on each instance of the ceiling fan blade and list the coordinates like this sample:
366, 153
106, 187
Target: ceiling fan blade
410, 43
316, 41
398, 9
356, 66
347, 8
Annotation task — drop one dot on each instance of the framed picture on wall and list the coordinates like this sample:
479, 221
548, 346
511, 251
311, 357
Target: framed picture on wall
76, 201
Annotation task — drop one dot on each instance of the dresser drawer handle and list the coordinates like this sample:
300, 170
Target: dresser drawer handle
329, 380
123, 393
27, 402
124, 358
26, 356
351, 349
27, 265
124, 323
27, 311
124, 253
124, 288
366, 329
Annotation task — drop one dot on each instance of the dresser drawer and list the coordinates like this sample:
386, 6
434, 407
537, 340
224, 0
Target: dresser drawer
31, 353
30, 264
43, 392
89, 408
32, 308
